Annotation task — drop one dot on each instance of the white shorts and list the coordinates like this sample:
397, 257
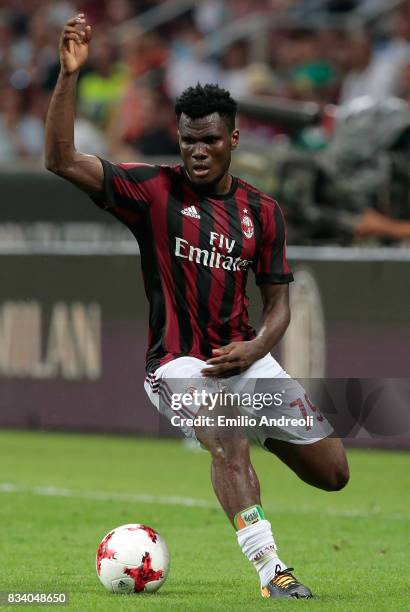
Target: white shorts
270, 402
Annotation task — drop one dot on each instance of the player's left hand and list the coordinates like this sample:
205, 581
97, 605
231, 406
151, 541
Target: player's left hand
232, 359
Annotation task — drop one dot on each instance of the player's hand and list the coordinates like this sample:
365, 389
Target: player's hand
232, 359
373, 223
74, 42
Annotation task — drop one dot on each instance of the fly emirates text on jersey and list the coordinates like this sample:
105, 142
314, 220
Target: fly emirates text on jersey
212, 258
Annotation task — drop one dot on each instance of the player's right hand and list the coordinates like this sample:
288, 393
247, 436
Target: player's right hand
74, 42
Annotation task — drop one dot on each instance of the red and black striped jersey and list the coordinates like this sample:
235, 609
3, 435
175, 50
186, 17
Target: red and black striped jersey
195, 255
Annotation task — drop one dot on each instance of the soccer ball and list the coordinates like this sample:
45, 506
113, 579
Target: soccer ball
132, 559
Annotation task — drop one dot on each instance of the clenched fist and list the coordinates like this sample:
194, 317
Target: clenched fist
74, 42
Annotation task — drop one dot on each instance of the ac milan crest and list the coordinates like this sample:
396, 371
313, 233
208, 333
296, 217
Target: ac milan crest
247, 226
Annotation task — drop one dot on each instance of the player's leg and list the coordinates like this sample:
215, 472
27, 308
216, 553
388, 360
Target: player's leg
322, 464
236, 486
307, 449
234, 480
233, 477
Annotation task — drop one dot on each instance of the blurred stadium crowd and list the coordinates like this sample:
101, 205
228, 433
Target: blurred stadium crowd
126, 93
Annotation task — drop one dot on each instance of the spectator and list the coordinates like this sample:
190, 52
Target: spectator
404, 82
362, 78
88, 137
152, 130
185, 66
44, 65
144, 53
234, 72
103, 85
125, 75
311, 76
241, 8
209, 16
5, 41
373, 223
261, 83
376, 73
118, 11
21, 124
158, 135
145, 56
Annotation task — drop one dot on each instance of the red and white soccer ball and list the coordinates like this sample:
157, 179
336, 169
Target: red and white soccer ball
132, 559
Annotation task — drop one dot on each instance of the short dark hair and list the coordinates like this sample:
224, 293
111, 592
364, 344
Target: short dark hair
203, 100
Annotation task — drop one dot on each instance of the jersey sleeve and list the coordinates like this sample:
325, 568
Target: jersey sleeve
128, 190
271, 266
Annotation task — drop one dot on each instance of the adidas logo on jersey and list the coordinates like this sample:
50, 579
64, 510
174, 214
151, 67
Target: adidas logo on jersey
191, 211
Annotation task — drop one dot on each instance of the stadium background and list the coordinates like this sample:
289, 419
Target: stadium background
324, 89
309, 76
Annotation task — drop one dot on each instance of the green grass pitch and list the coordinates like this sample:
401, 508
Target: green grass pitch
350, 547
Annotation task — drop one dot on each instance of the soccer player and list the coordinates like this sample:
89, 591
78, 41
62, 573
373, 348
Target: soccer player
199, 231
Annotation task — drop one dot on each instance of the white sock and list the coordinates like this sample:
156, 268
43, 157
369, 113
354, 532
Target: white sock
258, 545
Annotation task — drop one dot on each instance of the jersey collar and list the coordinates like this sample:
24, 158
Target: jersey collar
224, 196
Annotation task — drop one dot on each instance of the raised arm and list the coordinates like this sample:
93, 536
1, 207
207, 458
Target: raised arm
61, 157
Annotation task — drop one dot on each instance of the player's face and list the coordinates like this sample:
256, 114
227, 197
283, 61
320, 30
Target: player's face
206, 145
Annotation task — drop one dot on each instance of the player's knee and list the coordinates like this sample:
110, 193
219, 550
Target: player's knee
224, 451
210, 444
209, 441
338, 478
